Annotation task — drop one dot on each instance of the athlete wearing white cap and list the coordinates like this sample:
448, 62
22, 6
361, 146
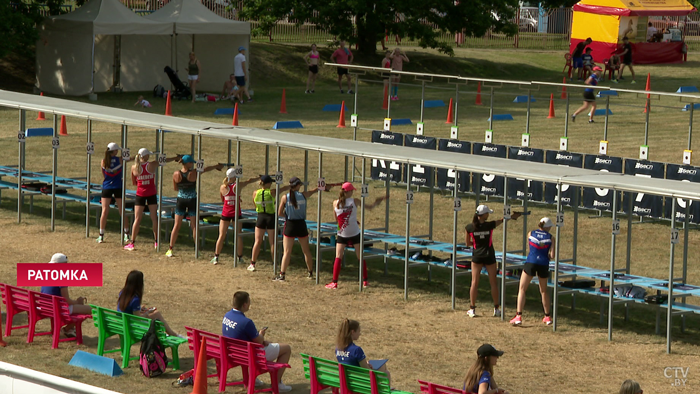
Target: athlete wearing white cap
541, 244
480, 237
112, 169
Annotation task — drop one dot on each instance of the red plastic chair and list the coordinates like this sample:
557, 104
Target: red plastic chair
214, 343
569, 64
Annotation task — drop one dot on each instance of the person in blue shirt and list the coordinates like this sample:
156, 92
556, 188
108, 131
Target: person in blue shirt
130, 298
75, 307
588, 63
542, 249
589, 95
479, 379
237, 326
112, 169
347, 352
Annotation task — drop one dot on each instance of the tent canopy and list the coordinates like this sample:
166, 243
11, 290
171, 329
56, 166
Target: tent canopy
191, 17
106, 17
635, 7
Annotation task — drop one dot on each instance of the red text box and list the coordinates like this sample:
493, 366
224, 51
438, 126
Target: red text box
64, 274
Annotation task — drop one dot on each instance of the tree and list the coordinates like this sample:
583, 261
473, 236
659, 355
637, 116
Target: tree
18, 27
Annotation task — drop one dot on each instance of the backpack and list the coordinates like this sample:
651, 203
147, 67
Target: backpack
159, 91
152, 356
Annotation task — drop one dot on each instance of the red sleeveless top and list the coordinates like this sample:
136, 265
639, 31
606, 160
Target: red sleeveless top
146, 182
230, 200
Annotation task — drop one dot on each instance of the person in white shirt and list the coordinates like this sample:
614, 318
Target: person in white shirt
651, 32
241, 74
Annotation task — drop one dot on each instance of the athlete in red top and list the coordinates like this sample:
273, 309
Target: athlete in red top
143, 175
232, 206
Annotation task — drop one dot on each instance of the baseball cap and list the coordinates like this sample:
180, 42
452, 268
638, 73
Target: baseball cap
546, 222
596, 68
113, 146
58, 258
241, 49
144, 152
486, 350
483, 209
347, 186
231, 173
265, 179
294, 181
186, 159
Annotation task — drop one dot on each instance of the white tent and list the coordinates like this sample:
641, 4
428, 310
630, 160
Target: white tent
214, 39
72, 45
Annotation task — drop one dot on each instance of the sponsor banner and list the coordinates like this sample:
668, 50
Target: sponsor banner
686, 174
567, 159
421, 176
644, 204
596, 198
516, 186
487, 184
382, 169
61, 274
445, 177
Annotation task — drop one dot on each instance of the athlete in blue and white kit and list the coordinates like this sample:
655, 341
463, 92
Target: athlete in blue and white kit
541, 252
112, 169
589, 95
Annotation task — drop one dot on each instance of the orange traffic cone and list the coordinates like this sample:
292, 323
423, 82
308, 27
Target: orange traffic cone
478, 94
551, 106
200, 373
385, 103
63, 129
283, 106
41, 114
563, 90
449, 114
341, 120
235, 115
648, 88
168, 106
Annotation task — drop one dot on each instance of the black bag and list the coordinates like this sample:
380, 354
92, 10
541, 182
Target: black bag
59, 190
578, 283
152, 356
34, 186
656, 299
159, 91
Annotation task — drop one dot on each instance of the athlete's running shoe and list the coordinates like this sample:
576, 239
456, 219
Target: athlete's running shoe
547, 320
332, 285
129, 246
496, 312
517, 320
126, 238
155, 245
251, 267
100, 239
471, 313
215, 260
365, 283
309, 275
169, 253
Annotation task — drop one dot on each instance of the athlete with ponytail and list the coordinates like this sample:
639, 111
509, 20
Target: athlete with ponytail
112, 188
185, 184
143, 175
346, 352
345, 210
231, 208
264, 199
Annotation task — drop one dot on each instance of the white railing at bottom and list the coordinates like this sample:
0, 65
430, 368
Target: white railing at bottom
19, 380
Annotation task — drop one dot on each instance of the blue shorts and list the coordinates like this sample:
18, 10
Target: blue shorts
240, 81
578, 62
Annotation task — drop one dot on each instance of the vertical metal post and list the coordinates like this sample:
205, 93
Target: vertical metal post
577, 196
527, 117
192, 146
557, 242
54, 167
422, 100
20, 164
566, 118
491, 110
161, 148
430, 222
408, 233
126, 174
646, 121
690, 125
362, 228
89, 184
388, 99
607, 110
628, 259
611, 296
318, 217
669, 315
267, 160
199, 190
228, 157
453, 276
456, 104
685, 240
354, 135
525, 200
505, 251
306, 170
275, 239
236, 216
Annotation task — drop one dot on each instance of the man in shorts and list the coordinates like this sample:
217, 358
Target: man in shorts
577, 57
241, 73
626, 56
343, 55
237, 326
230, 90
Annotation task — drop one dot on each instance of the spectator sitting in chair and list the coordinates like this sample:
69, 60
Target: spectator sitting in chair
651, 33
230, 90
614, 65
75, 307
577, 61
237, 326
587, 59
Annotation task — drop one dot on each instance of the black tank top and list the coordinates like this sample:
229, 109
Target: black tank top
186, 188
